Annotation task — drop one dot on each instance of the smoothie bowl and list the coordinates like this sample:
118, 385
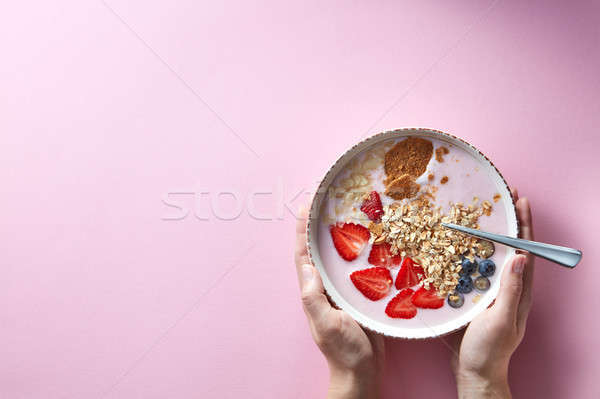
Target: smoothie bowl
374, 232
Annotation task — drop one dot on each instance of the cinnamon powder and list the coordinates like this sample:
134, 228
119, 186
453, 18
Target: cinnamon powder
439, 154
409, 156
404, 162
402, 187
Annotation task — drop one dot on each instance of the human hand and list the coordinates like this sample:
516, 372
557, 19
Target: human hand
481, 360
355, 356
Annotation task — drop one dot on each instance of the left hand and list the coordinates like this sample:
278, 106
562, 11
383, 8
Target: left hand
355, 356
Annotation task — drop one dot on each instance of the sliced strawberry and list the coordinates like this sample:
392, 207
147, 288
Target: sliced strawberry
427, 298
410, 274
374, 283
349, 239
381, 255
401, 307
372, 206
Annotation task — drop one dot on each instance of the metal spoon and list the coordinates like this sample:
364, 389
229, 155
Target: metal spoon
564, 256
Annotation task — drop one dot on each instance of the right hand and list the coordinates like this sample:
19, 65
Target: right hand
482, 357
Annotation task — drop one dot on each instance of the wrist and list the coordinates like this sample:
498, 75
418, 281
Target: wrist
352, 384
474, 384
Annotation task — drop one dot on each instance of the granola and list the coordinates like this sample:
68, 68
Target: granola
414, 229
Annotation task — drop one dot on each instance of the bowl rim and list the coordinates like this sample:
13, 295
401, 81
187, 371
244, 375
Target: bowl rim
331, 292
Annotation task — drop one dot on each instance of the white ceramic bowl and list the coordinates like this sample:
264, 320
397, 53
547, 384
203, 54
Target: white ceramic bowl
426, 331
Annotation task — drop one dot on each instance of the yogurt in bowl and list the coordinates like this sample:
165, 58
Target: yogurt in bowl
374, 232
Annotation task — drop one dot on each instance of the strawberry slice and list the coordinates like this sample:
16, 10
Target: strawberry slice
374, 283
427, 298
349, 239
401, 307
381, 255
410, 274
372, 206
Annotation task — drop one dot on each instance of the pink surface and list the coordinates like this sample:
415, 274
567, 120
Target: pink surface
100, 297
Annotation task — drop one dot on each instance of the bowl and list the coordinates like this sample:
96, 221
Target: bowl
419, 329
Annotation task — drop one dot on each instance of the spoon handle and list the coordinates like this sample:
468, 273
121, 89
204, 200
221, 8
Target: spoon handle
564, 256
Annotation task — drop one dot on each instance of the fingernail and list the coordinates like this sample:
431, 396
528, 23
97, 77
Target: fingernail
519, 264
307, 274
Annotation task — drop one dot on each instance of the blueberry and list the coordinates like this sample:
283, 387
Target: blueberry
487, 267
456, 299
468, 267
465, 284
482, 283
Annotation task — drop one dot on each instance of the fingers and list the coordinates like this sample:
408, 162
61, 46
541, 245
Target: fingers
301, 222
526, 296
511, 287
515, 194
301, 252
314, 301
524, 216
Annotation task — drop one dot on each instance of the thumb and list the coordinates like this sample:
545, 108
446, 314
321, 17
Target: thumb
313, 294
511, 287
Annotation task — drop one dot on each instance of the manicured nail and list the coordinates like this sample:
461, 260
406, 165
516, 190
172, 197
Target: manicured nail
519, 264
307, 274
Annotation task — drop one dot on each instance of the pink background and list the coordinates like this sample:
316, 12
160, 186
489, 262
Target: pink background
106, 108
